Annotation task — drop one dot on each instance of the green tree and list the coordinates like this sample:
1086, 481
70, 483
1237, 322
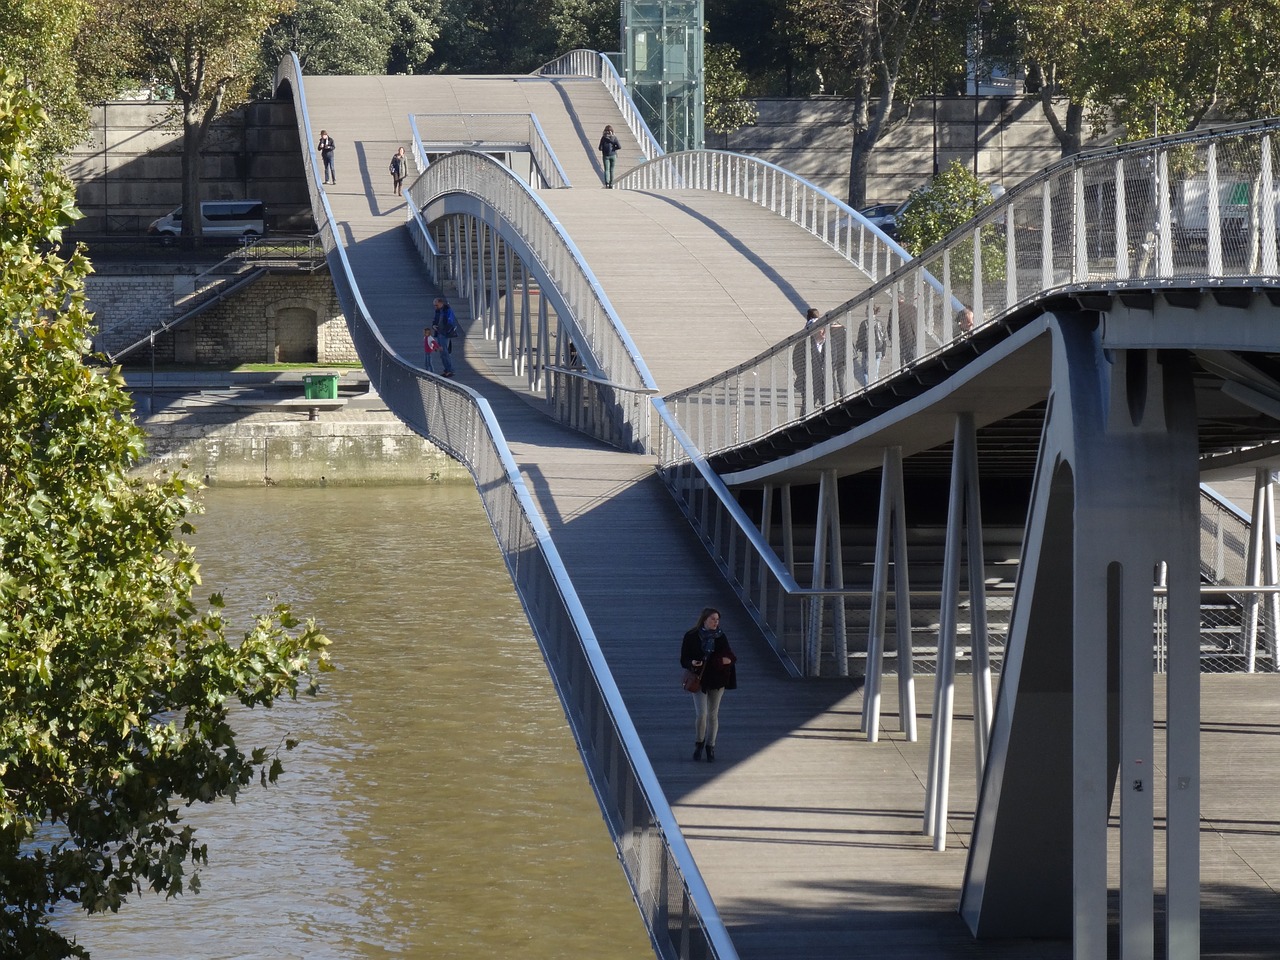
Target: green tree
68, 53
116, 692
332, 37
1174, 63
336, 37
586, 25
948, 201
726, 106
770, 35
415, 26
1068, 46
494, 36
868, 46
209, 51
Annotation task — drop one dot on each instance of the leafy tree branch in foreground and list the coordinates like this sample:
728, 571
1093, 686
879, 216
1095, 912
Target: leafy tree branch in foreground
116, 691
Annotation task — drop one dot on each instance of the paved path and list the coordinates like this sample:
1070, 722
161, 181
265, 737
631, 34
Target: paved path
809, 837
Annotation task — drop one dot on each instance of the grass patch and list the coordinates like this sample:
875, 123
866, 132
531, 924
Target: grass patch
279, 367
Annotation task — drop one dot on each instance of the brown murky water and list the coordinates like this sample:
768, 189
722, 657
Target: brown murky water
436, 806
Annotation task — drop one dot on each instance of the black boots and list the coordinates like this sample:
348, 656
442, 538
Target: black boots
711, 753
697, 751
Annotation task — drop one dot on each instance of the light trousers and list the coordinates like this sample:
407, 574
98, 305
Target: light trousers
706, 715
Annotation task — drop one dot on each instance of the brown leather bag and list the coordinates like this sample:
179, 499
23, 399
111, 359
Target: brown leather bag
692, 682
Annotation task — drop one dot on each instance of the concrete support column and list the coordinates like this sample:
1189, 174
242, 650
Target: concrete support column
891, 542
1115, 499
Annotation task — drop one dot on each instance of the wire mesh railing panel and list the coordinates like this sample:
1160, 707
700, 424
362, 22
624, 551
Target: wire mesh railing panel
1195, 207
832, 221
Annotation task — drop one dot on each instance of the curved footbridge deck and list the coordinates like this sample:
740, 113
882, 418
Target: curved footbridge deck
809, 838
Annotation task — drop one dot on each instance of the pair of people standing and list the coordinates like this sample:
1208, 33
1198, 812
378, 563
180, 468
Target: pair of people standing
705, 651
437, 340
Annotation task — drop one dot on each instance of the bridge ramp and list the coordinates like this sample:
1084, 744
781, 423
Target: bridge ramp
809, 838
700, 280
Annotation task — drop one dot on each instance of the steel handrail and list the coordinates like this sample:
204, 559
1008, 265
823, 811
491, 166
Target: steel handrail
780, 191
1066, 230
589, 63
528, 217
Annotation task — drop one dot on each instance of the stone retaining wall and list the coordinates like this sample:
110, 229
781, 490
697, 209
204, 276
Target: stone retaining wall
260, 451
813, 137
283, 317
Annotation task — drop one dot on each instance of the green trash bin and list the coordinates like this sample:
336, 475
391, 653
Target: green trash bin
320, 386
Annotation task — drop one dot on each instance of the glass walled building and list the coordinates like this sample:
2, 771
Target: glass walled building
662, 59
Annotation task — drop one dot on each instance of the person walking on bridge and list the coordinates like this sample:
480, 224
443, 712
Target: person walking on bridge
609, 147
705, 650
399, 167
445, 328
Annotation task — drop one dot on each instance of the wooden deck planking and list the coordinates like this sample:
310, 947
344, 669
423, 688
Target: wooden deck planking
808, 836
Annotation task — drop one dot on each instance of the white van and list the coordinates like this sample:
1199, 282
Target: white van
219, 218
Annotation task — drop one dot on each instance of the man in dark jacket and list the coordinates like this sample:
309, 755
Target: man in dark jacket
445, 326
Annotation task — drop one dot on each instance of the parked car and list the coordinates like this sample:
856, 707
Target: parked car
219, 218
885, 216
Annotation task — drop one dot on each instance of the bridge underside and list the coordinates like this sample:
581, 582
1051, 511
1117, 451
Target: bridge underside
1091, 428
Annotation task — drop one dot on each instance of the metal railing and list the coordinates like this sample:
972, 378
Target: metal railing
668, 888
491, 132
1197, 207
566, 281
589, 63
780, 191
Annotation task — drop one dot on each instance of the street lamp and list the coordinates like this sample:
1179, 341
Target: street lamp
937, 19
984, 6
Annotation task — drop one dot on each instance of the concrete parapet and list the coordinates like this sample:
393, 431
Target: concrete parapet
263, 449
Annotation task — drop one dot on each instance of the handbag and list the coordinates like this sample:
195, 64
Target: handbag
692, 682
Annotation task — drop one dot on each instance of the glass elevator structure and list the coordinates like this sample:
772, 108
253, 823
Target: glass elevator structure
662, 59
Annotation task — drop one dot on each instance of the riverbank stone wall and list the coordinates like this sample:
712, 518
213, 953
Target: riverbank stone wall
281, 318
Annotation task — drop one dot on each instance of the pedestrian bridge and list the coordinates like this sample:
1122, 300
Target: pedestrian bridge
990, 466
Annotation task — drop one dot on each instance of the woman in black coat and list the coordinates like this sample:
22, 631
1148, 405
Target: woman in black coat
706, 651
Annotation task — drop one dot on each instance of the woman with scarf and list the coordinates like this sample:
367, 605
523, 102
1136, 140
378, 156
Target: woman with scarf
706, 652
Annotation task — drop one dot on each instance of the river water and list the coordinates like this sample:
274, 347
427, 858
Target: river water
436, 806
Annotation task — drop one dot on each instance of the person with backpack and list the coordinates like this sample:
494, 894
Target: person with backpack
445, 327
609, 148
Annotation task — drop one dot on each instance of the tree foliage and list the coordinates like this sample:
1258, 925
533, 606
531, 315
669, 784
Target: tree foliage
726, 106
948, 201
866, 44
769, 34
209, 51
1151, 65
115, 690
333, 37
584, 25
494, 36
71, 54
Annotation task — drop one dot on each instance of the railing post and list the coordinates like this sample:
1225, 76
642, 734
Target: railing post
1079, 229
1213, 201
1164, 224
1122, 224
